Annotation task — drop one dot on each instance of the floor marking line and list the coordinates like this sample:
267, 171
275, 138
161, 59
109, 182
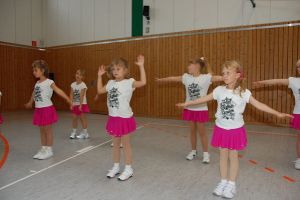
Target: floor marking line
6, 150
58, 163
84, 149
268, 169
253, 162
289, 179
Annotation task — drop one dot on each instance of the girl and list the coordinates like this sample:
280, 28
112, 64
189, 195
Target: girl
1, 119
44, 114
229, 133
196, 82
120, 122
294, 84
79, 105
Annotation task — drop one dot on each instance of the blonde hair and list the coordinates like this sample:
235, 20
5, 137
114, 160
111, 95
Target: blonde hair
240, 85
120, 62
42, 65
204, 66
82, 72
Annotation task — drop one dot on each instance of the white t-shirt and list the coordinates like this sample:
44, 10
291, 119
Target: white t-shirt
294, 84
76, 89
119, 94
231, 107
196, 87
43, 93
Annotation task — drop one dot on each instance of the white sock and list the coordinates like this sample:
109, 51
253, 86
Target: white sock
206, 153
194, 151
231, 183
74, 130
49, 148
44, 147
128, 167
116, 164
223, 181
84, 131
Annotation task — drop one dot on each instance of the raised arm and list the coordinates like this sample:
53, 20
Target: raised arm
201, 100
170, 79
61, 93
100, 88
140, 62
217, 78
267, 109
271, 82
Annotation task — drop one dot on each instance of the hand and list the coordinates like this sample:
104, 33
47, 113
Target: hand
140, 60
284, 115
28, 105
181, 105
71, 107
101, 70
96, 98
80, 108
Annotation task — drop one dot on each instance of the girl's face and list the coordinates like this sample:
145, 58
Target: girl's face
193, 68
230, 76
119, 72
78, 76
38, 72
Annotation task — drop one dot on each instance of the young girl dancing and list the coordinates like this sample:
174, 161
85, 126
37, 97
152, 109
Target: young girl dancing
196, 82
229, 134
44, 113
294, 84
120, 121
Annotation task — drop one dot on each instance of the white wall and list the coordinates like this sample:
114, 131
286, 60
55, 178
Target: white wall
75, 21
20, 21
182, 15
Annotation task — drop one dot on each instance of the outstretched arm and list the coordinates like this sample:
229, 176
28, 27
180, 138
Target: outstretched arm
201, 100
140, 62
100, 88
30, 102
217, 78
272, 82
61, 93
267, 109
169, 79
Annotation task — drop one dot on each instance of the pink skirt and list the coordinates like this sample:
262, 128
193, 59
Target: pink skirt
195, 116
118, 126
233, 139
1, 119
44, 116
295, 123
84, 109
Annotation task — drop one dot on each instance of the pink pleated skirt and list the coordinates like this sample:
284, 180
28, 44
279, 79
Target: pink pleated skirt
118, 126
44, 116
195, 116
295, 123
84, 109
233, 139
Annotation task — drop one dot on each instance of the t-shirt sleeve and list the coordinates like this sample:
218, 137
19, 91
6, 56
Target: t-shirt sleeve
50, 82
208, 79
291, 80
83, 86
184, 78
131, 81
246, 96
216, 92
108, 84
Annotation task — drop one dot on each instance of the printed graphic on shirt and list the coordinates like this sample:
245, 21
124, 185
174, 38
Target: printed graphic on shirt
227, 108
194, 91
38, 94
299, 93
76, 95
113, 100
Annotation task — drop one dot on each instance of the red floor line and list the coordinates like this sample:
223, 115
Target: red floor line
289, 179
253, 162
268, 169
6, 150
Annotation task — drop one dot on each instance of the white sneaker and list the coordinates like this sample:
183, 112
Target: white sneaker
73, 135
113, 172
83, 136
297, 164
112, 145
191, 155
229, 191
39, 153
206, 159
218, 191
126, 174
47, 153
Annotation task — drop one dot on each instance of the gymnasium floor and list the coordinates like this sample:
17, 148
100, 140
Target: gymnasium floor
78, 169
